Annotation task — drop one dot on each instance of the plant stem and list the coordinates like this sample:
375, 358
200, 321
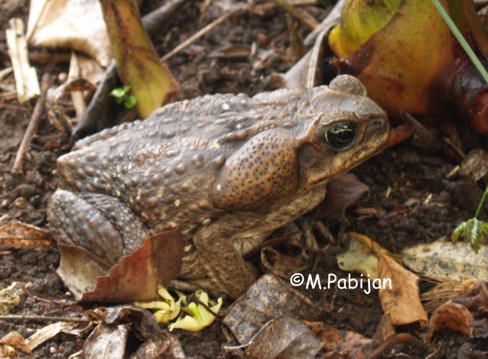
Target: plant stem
480, 205
457, 34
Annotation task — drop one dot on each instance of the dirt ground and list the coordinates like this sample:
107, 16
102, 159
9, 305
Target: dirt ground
410, 199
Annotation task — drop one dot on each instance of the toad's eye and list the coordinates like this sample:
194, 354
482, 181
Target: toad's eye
341, 135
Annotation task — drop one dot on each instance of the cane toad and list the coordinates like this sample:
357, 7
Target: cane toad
226, 170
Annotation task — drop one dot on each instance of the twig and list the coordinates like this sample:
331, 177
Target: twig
395, 339
41, 318
33, 124
14, 107
200, 33
304, 17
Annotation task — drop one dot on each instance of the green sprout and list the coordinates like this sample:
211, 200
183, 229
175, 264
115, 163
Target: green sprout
473, 229
122, 96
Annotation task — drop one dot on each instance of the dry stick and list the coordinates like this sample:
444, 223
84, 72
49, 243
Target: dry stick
304, 17
33, 124
395, 339
200, 33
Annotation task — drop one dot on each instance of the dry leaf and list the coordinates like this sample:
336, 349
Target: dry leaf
451, 316
106, 342
398, 287
14, 340
19, 235
402, 300
342, 192
475, 164
161, 345
48, 332
285, 337
134, 277
268, 298
109, 338
76, 25
337, 342
448, 260
476, 300
56, 114
141, 322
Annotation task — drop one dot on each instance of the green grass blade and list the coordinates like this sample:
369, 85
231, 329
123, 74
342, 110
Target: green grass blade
457, 34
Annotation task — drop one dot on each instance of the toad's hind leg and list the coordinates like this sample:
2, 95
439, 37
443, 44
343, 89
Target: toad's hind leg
100, 223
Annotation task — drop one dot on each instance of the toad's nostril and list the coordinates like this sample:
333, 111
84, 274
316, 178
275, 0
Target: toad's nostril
378, 123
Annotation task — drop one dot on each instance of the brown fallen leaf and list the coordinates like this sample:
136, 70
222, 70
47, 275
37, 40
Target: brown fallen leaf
285, 337
142, 322
268, 298
401, 300
17, 235
135, 277
342, 192
109, 338
451, 316
161, 345
398, 287
476, 300
475, 164
107, 342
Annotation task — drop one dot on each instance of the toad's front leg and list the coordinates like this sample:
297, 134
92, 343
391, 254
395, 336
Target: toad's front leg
226, 271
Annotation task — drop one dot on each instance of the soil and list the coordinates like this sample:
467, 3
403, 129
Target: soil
410, 199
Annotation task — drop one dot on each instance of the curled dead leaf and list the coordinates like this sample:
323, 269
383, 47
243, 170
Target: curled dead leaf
134, 277
401, 300
452, 316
